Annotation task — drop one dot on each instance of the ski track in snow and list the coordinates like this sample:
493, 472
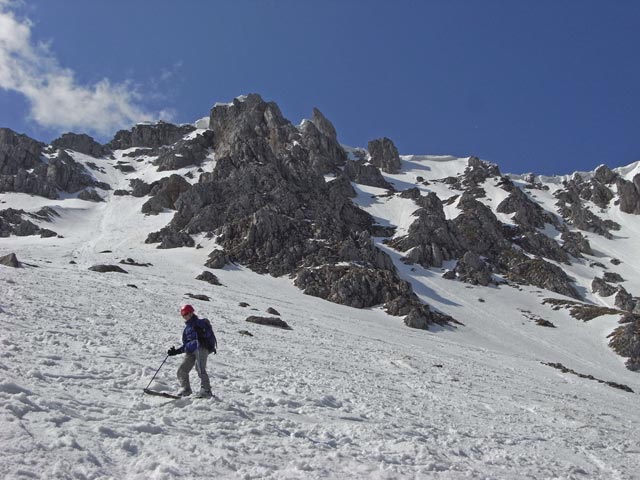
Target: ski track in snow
346, 394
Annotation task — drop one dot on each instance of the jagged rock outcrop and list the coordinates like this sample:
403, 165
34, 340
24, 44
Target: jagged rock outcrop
605, 175
472, 269
90, 195
80, 143
624, 300
217, 260
602, 288
149, 135
366, 174
527, 213
209, 278
574, 243
165, 193
625, 340
185, 153
478, 228
612, 277
140, 188
629, 195
10, 260
107, 268
22, 168
539, 244
319, 137
12, 222
431, 239
572, 209
384, 155
169, 237
272, 210
477, 172
519, 268
18, 152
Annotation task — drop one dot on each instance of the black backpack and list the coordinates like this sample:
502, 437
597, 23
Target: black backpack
206, 337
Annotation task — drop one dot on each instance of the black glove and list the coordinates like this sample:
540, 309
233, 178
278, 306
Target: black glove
172, 351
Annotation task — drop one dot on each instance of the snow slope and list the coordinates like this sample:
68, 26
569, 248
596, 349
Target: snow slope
346, 394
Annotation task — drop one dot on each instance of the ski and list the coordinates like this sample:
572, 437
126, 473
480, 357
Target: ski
161, 394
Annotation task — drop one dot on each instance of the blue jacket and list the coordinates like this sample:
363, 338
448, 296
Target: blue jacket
190, 334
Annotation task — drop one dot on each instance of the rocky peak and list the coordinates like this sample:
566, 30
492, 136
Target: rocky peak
320, 139
249, 126
152, 135
80, 143
18, 152
324, 125
629, 193
384, 155
605, 175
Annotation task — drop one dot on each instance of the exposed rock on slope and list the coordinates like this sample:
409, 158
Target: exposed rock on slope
80, 143
384, 155
272, 210
23, 168
149, 135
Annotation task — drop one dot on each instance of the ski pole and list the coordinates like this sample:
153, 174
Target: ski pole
154, 375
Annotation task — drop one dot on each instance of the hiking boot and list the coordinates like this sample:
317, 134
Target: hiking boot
204, 394
185, 392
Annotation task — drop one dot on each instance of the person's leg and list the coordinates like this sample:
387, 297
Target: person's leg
183, 371
201, 368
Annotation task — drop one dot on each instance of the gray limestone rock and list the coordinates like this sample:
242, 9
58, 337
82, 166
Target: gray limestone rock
478, 171
602, 288
107, 268
537, 243
185, 152
165, 194
575, 244
18, 152
269, 321
471, 268
629, 195
90, 195
354, 286
612, 277
625, 340
571, 207
208, 277
80, 143
384, 155
10, 260
149, 135
535, 271
478, 229
364, 174
217, 260
320, 139
139, 188
624, 300
431, 238
604, 174
527, 213
12, 222
168, 237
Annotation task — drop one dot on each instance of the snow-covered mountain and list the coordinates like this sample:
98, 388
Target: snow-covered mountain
521, 291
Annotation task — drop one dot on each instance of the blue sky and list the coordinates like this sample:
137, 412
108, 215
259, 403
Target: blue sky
545, 86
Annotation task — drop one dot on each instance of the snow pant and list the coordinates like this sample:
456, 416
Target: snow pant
199, 359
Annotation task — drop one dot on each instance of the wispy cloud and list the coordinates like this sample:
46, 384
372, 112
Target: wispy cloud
56, 99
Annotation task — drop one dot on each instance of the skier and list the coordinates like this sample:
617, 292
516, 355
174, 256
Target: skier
198, 341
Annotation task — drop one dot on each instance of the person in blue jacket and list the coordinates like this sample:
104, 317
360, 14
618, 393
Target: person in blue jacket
196, 354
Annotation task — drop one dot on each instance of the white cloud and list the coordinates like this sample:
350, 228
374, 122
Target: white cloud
56, 99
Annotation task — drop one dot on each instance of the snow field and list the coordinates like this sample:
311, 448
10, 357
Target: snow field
346, 394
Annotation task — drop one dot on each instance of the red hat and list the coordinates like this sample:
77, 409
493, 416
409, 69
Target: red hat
186, 309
